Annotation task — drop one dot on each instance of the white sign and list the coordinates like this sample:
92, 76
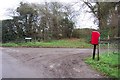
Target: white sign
28, 38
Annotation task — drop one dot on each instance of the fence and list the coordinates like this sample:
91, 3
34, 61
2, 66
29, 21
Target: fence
111, 44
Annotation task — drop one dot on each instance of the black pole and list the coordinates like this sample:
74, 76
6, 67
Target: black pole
25, 40
94, 49
98, 53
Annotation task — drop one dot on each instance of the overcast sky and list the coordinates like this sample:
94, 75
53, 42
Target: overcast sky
84, 20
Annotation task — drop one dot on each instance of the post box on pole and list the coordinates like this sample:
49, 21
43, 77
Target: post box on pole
95, 41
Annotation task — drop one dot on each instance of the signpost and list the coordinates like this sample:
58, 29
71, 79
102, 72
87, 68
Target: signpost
27, 38
95, 41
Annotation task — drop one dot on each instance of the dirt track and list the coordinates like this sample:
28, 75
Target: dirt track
46, 63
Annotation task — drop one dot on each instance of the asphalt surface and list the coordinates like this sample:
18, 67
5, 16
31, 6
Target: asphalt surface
0, 63
46, 63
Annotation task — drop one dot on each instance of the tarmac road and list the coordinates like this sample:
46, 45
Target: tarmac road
0, 63
46, 63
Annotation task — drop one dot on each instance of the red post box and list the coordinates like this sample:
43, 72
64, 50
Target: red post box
95, 41
95, 37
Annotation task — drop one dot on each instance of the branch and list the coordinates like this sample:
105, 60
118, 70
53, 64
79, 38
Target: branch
91, 8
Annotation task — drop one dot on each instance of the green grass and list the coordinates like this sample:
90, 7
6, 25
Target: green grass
108, 64
10, 45
66, 43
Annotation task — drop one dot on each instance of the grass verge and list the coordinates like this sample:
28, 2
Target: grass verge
108, 65
66, 43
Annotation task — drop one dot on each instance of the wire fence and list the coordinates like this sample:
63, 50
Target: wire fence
111, 45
